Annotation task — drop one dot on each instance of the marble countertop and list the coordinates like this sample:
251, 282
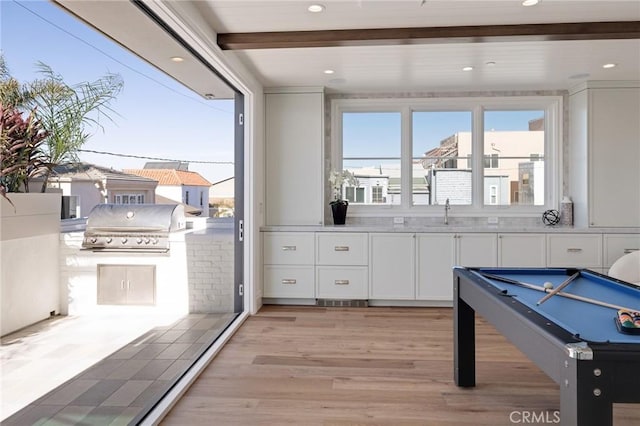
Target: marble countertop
450, 229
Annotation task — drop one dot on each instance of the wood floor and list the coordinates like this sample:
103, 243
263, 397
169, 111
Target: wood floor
366, 366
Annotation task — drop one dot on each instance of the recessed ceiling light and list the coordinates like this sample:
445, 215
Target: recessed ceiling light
530, 2
609, 65
329, 71
177, 59
490, 63
316, 8
467, 68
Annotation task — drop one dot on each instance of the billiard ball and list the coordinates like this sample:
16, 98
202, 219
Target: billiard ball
547, 285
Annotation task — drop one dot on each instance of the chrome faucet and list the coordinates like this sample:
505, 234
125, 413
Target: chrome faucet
447, 207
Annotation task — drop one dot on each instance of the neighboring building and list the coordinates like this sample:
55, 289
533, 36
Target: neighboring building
181, 186
222, 197
512, 160
84, 185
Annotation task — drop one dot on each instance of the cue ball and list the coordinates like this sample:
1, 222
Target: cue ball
548, 285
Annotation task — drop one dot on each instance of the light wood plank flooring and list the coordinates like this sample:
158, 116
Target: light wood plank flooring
365, 366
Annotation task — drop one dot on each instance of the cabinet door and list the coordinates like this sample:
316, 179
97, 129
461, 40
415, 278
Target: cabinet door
289, 282
392, 266
342, 248
435, 255
574, 250
477, 250
522, 250
614, 156
112, 285
617, 245
342, 282
294, 137
288, 248
141, 285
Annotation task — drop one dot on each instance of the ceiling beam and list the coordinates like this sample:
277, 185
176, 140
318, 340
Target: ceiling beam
431, 35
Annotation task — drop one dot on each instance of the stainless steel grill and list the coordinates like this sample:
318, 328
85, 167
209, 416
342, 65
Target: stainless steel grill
132, 227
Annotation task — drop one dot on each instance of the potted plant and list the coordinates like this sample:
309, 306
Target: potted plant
21, 153
339, 205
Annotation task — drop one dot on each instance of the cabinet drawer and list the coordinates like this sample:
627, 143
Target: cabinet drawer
289, 281
288, 248
522, 250
583, 251
342, 249
342, 282
616, 246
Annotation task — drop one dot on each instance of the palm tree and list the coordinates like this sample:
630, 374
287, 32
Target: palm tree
68, 113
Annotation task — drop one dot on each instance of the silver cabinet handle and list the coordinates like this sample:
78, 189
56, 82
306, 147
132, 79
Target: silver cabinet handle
631, 250
341, 282
128, 285
121, 284
574, 250
289, 248
288, 281
341, 248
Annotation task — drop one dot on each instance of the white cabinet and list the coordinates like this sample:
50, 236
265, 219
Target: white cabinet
293, 149
522, 250
392, 266
476, 250
435, 258
342, 261
605, 153
437, 254
617, 245
289, 264
574, 250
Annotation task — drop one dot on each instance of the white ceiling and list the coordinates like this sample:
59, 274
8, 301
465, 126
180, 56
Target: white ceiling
417, 67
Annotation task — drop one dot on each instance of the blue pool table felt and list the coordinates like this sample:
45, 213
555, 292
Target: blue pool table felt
591, 322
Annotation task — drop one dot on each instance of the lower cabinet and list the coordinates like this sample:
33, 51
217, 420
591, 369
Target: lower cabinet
392, 266
290, 281
126, 284
435, 255
342, 282
522, 250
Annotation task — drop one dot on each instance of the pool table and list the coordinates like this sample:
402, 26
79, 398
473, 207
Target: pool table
576, 343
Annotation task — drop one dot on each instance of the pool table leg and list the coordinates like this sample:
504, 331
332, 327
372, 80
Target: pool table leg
464, 351
578, 404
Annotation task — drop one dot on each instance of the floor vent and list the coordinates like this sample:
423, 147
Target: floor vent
342, 303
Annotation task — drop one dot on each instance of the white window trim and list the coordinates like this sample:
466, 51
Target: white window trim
553, 130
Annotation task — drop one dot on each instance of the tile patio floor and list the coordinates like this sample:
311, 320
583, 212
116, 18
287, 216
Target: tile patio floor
103, 369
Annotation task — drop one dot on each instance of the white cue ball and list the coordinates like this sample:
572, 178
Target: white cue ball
548, 285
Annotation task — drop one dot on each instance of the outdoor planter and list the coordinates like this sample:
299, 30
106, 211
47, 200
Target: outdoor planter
29, 243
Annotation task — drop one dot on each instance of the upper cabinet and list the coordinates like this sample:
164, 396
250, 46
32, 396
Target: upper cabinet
604, 154
294, 141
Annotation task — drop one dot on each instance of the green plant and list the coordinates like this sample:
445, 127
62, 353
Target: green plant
21, 154
69, 113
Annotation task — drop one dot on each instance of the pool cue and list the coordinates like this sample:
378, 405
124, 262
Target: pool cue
567, 295
556, 290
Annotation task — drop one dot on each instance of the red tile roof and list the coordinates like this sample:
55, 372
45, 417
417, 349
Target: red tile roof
171, 177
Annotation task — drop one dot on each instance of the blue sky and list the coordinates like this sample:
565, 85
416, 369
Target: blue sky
377, 134
157, 116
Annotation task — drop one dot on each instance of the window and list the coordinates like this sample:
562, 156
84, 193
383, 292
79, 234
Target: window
128, 199
441, 159
509, 138
481, 153
371, 148
186, 197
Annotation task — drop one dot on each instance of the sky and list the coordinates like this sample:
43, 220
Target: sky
156, 116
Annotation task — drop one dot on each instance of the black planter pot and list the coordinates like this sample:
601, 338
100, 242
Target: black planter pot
339, 210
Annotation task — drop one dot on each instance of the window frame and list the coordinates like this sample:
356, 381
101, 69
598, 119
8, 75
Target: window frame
552, 106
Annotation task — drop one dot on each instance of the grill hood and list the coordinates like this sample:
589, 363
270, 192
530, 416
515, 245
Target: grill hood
117, 227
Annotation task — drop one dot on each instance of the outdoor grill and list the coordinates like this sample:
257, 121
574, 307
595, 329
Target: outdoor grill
132, 227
